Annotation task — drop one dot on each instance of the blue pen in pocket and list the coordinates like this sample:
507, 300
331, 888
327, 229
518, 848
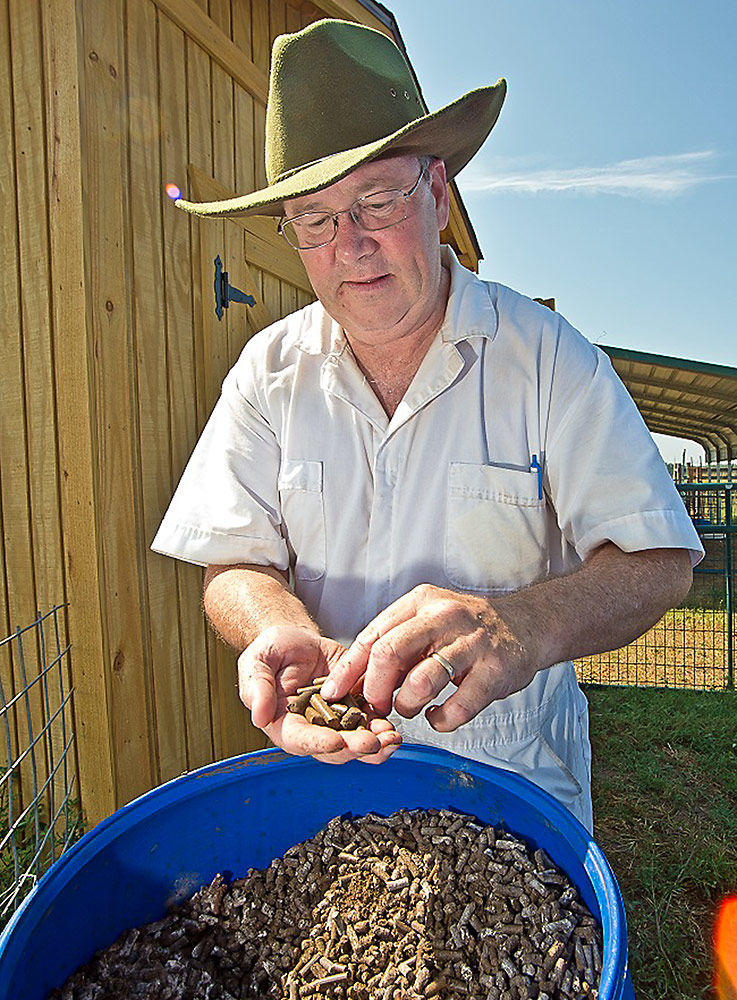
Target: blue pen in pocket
535, 466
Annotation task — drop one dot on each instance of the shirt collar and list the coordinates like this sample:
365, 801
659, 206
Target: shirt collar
471, 312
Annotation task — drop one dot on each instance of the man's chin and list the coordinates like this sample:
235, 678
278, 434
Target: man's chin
370, 319
372, 333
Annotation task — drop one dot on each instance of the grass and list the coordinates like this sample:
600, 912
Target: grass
32, 854
665, 814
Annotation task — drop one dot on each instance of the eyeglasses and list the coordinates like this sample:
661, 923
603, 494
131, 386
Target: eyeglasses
379, 210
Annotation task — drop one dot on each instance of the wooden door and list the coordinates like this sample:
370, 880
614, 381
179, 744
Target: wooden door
261, 263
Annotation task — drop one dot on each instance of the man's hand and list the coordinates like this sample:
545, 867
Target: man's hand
490, 655
284, 658
496, 645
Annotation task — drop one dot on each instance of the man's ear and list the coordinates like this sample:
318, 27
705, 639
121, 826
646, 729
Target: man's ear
439, 189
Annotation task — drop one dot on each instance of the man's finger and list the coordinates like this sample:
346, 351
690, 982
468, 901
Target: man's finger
361, 741
390, 740
380, 725
341, 757
344, 674
421, 686
394, 655
474, 694
355, 659
389, 743
297, 736
257, 688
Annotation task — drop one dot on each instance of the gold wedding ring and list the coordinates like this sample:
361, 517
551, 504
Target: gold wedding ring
446, 664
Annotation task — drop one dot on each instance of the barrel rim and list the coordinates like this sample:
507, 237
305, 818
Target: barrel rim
555, 816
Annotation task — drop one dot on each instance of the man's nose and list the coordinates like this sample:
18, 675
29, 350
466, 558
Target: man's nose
351, 241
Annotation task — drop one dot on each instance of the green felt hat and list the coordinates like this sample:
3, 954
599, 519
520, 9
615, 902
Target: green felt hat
341, 94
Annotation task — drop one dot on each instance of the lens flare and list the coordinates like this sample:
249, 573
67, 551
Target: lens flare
725, 947
173, 191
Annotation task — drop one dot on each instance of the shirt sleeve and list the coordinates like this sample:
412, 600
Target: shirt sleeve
606, 477
226, 507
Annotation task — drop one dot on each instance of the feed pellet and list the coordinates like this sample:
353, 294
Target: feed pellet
424, 903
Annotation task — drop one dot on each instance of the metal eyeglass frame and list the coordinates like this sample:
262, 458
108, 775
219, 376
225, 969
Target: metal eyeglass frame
351, 211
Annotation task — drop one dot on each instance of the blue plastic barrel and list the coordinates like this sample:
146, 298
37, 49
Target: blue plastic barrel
242, 813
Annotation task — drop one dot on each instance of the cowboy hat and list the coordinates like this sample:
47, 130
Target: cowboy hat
341, 94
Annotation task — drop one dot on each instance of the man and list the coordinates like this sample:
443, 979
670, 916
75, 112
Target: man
464, 492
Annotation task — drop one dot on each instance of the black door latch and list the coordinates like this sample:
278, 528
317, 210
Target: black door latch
225, 293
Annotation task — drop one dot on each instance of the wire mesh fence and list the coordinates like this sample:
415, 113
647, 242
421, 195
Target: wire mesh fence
39, 811
692, 646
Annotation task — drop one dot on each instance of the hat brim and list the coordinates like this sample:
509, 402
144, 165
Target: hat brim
454, 133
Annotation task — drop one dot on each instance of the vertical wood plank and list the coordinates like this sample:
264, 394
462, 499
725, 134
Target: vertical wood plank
245, 168
289, 293
182, 378
238, 328
150, 324
200, 142
272, 294
74, 373
10, 296
124, 599
276, 26
288, 298
277, 18
38, 354
233, 726
224, 171
245, 173
14, 430
209, 245
294, 18
13, 506
261, 53
227, 338
7, 755
35, 295
309, 14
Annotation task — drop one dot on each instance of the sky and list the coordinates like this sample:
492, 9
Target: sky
610, 180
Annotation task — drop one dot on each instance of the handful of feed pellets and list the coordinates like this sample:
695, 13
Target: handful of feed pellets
421, 904
347, 714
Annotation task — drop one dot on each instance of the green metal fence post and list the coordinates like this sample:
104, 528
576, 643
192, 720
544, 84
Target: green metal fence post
728, 561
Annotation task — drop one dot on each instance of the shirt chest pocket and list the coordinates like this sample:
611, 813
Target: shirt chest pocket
495, 533
300, 487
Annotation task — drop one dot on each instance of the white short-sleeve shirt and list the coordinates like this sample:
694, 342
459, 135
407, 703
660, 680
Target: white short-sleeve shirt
514, 453
299, 464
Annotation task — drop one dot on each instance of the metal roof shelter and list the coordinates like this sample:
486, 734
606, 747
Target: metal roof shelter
689, 399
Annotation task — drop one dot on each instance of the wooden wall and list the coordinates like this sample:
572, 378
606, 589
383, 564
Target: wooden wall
113, 359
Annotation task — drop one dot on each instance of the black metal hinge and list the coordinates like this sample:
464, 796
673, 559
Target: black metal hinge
225, 293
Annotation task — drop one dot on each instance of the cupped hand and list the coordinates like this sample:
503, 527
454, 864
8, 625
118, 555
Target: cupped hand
284, 658
487, 642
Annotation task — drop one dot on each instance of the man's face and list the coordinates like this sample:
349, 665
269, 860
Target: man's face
384, 284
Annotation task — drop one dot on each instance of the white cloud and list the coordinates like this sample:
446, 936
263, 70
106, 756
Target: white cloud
648, 176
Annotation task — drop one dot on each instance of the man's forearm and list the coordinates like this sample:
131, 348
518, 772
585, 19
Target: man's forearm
612, 599
241, 601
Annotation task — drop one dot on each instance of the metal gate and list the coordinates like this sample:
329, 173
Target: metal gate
693, 645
